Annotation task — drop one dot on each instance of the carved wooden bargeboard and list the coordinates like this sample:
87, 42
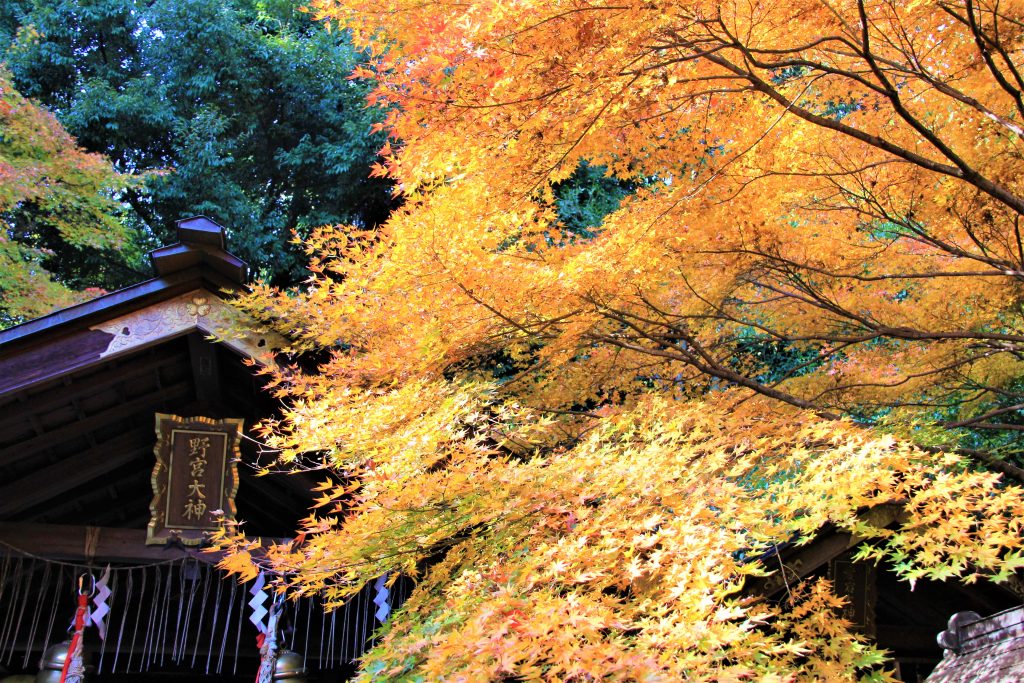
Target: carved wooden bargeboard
195, 478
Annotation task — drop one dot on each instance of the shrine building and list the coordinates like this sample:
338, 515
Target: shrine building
125, 430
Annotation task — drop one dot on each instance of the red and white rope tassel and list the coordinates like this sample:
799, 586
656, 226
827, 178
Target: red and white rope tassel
267, 640
74, 667
73, 670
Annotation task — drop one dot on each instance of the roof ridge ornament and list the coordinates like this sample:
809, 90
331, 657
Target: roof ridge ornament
201, 230
952, 638
201, 243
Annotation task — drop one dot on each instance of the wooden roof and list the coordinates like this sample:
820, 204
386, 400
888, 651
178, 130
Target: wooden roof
79, 389
983, 649
197, 261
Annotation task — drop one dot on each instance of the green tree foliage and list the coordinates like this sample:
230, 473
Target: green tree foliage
585, 198
57, 213
246, 105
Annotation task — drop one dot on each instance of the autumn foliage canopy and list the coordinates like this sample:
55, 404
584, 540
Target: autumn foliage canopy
582, 446
48, 185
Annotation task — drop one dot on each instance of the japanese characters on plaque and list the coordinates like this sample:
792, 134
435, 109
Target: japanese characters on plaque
195, 478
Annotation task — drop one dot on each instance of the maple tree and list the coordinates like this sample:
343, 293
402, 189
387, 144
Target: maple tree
51, 192
583, 442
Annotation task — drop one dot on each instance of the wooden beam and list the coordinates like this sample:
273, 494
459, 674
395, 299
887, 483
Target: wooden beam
108, 305
49, 482
199, 309
57, 358
56, 397
74, 507
205, 372
149, 402
791, 565
69, 543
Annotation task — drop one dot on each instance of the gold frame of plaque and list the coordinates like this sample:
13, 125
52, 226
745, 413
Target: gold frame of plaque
195, 477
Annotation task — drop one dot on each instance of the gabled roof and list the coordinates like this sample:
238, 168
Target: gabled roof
198, 261
989, 649
79, 389
187, 294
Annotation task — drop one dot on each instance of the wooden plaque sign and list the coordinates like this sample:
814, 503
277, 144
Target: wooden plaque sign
195, 477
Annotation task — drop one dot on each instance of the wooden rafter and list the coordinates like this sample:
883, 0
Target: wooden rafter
149, 402
54, 480
87, 544
39, 404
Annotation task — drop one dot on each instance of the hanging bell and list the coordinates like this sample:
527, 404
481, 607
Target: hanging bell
289, 668
52, 663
